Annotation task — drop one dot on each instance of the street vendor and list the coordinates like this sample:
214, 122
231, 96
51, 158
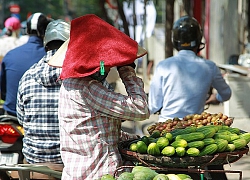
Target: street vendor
90, 114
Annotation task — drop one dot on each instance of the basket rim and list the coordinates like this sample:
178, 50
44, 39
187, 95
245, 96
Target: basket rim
216, 159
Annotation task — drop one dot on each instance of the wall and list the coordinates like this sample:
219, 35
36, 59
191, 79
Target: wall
224, 38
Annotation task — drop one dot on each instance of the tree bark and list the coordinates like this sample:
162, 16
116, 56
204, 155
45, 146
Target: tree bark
122, 15
168, 28
68, 11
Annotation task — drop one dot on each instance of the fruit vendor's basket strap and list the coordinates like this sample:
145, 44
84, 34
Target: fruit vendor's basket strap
121, 168
143, 162
134, 154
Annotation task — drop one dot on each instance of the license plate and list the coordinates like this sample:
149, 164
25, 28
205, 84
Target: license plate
8, 158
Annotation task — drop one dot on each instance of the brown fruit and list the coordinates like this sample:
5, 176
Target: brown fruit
204, 122
224, 117
209, 118
219, 115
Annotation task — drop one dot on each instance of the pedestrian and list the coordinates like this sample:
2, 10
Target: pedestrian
181, 83
10, 38
37, 101
20, 59
12, 25
90, 114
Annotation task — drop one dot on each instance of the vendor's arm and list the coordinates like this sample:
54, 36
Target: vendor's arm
132, 107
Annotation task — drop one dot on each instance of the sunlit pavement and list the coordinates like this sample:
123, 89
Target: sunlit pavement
242, 164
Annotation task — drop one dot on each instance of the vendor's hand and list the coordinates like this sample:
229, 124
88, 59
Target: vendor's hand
212, 99
132, 65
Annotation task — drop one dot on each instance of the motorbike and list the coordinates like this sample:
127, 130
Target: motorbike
11, 135
11, 156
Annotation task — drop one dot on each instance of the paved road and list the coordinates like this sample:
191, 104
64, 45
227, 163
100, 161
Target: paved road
242, 164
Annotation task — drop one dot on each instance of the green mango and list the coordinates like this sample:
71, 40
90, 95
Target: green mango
143, 169
161, 177
126, 176
107, 177
141, 147
144, 175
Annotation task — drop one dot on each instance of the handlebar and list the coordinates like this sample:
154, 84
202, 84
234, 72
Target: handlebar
6, 117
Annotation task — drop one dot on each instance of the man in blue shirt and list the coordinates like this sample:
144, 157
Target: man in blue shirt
18, 60
181, 83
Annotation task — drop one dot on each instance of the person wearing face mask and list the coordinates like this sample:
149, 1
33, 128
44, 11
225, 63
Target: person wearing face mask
90, 114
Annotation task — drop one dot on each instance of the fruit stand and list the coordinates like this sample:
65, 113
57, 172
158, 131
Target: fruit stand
192, 144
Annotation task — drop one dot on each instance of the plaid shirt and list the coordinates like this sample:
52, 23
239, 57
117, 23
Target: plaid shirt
37, 111
90, 118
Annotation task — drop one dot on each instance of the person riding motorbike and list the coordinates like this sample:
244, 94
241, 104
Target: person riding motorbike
181, 83
20, 59
37, 102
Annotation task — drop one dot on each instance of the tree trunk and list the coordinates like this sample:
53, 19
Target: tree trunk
188, 7
122, 15
68, 11
168, 27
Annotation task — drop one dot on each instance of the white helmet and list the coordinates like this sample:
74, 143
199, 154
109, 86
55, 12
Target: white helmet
37, 23
56, 30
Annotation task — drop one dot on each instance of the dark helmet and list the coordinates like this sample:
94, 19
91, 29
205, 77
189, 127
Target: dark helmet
37, 23
186, 34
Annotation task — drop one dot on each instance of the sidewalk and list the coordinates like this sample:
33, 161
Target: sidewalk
242, 164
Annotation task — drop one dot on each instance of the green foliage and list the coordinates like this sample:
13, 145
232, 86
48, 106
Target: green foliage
60, 9
87, 7
56, 8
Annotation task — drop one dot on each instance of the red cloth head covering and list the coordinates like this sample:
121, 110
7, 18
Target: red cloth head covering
93, 40
12, 23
